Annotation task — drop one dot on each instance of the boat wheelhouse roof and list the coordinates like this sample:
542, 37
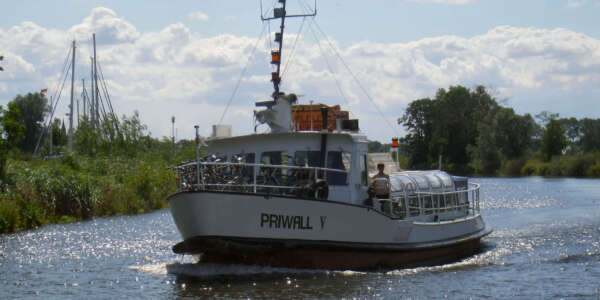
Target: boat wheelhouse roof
299, 140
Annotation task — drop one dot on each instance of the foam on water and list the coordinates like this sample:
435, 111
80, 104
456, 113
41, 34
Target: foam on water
214, 270
152, 269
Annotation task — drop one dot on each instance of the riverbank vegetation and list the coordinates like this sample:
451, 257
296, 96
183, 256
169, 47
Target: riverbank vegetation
115, 167
474, 134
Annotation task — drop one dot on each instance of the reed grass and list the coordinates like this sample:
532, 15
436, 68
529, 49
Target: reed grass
71, 188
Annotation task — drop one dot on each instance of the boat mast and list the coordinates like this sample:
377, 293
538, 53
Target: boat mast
96, 90
70, 136
280, 13
91, 104
276, 56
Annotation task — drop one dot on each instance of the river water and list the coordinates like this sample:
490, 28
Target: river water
545, 245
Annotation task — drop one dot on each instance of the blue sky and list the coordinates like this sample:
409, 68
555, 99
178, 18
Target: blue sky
348, 21
177, 57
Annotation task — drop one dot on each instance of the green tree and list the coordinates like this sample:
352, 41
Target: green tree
59, 133
418, 120
513, 132
85, 138
590, 134
13, 131
485, 155
447, 126
573, 131
33, 108
10, 130
554, 140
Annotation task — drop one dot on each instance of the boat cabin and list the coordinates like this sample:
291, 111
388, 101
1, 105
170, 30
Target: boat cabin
337, 159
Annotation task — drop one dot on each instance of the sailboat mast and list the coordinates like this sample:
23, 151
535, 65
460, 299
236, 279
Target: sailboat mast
91, 104
70, 136
96, 89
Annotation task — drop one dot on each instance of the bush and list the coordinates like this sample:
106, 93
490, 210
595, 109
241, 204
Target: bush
10, 215
578, 165
534, 167
594, 171
515, 167
74, 187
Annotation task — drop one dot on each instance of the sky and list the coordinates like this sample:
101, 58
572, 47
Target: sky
189, 59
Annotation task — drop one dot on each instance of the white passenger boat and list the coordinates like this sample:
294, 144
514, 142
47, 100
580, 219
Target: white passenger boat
301, 198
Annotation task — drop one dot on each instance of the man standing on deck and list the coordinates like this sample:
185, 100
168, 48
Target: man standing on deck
380, 183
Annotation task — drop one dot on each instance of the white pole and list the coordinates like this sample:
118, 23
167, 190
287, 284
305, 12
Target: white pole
70, 135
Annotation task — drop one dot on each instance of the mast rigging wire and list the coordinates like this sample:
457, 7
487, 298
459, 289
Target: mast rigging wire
364, 90
53, 110
107, 96
337, 83
237, 85
293, 48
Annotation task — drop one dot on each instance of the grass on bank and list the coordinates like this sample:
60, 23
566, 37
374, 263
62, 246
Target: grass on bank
579, 165
73, 188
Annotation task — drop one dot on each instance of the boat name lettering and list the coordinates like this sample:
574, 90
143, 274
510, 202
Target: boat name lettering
285, 222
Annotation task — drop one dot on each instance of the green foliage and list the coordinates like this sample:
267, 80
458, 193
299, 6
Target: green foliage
590, 134
13, 131
473, 133
109, 172
553, 139
418, 119
32, 109
534, 167
375, 146
468, 128
578, 165
514, 167
594, 171
77, 187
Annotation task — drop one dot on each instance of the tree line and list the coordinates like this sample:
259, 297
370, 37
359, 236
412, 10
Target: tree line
474, 134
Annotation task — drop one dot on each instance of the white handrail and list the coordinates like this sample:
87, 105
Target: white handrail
475, 187
260, 165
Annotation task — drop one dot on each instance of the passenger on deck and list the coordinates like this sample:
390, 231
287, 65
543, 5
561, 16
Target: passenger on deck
380, 183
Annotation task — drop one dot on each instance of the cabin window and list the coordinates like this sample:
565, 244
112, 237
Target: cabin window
338, 160
272, 158
307, 158
363, 170
248, 158
273, 175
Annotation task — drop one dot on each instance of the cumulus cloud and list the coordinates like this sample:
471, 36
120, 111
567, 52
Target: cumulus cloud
104, 21
197, 16
176, 71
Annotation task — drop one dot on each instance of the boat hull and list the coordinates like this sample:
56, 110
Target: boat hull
228, 251
298, 233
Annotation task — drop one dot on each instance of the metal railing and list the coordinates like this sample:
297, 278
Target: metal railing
253, 178
434, 206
